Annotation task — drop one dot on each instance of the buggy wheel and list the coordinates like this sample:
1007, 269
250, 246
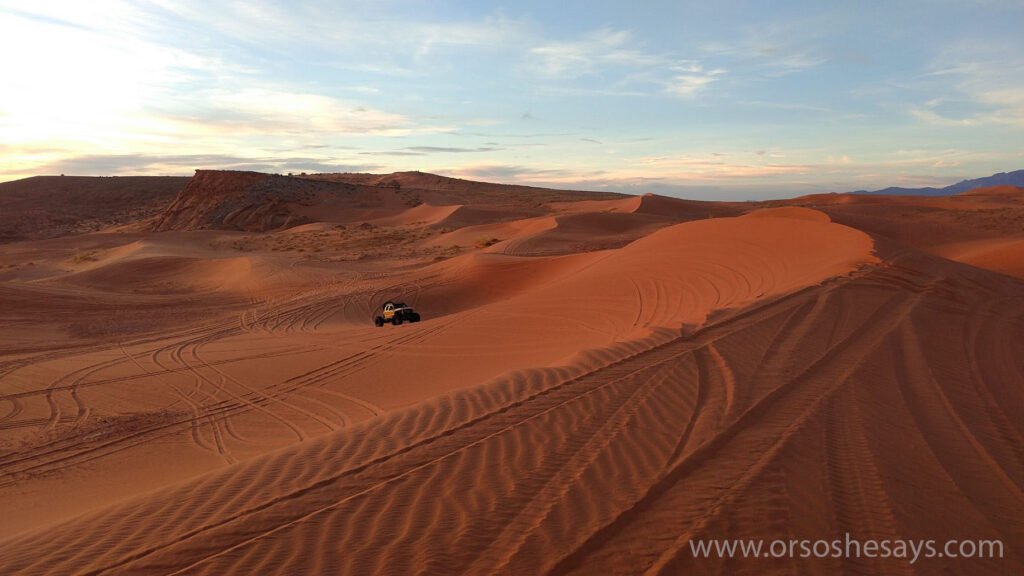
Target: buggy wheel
396, 319
414, 317
378, 321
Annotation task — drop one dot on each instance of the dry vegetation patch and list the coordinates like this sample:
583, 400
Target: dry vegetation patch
348, 242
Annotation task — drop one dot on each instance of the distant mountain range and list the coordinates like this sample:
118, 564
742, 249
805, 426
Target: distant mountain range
1002, 179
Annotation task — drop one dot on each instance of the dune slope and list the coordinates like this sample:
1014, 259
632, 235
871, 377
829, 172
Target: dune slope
591, 390
798, 416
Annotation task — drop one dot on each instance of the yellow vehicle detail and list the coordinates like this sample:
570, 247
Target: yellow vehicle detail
396, 313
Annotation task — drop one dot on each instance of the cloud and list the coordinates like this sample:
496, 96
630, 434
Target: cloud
930, 116
723, 171
496, 31
362, 89
696, 177
273, 110
988, 82
86, 81
523, 136
598, 91
518, 174
132, 88
616, 58
426, 150
917, 158
798, 106
429, 149
184, 164
775, 48
123, 93
597, 50
690, 79
373, 37
815, 171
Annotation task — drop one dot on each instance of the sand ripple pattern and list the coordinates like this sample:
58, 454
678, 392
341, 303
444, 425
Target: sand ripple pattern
789, 418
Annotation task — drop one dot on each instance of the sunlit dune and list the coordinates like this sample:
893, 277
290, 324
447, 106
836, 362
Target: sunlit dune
596, 381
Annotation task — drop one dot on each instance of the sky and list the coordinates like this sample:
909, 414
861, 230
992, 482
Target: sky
722, 100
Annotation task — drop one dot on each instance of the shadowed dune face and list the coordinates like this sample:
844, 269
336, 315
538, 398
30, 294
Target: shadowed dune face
979, 227
423, 214
167, 275
602, 384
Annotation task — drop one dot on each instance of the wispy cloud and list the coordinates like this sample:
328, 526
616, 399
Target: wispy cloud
334, 35
623, 65
520, 174
117, 82
184, 164
492, 32
596, 51
426, 150
775, 48
519, 93
988, 79
836, 171
690, 78
448, 149
392, 153
697, 169
273, 110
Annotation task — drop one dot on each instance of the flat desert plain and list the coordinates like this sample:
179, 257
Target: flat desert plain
191, 381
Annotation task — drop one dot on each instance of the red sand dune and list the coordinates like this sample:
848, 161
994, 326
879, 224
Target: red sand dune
605, 384
1013, 193
424, 214
629, 204
1005, 255
957, 227
794, 212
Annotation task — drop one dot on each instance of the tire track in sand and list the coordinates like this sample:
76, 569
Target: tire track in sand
803, 395
446, 443
194, 407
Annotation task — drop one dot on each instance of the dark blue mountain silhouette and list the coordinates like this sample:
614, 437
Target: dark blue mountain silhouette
1015, 178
